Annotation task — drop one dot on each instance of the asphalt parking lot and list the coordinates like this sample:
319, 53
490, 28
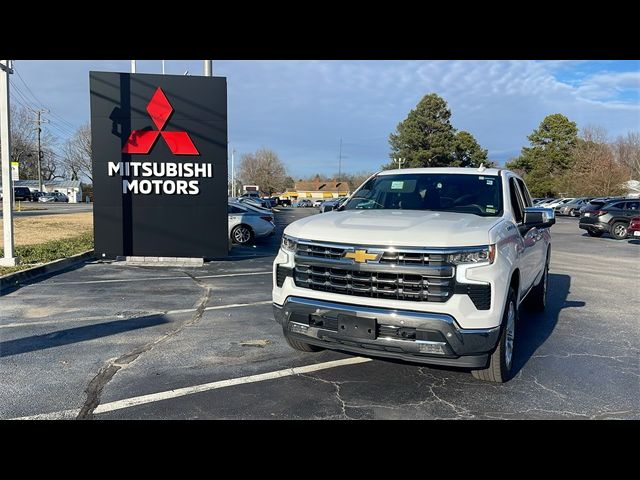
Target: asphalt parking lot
113, 342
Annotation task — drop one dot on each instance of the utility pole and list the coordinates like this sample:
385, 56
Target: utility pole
133, 66
340, 161
233, 173
399, 161
40, 121
9, 259
208, 68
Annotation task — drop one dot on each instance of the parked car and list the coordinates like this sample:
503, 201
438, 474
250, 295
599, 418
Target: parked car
426, 265
634, 227
330, 205
36, 196
317, 203
572, 208
612, 217
53, 197
256, 202
285, 202
247, 224
250, 195
305, 203
545, 201
596, 203
22, 194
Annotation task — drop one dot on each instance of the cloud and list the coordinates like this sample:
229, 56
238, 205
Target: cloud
302, 108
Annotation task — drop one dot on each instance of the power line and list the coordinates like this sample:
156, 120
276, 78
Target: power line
38, 101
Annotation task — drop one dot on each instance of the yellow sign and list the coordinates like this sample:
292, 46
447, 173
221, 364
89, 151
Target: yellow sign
361, 256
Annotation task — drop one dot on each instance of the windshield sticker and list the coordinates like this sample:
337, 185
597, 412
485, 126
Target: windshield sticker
480, 178
397, 185
489, 182
490, 210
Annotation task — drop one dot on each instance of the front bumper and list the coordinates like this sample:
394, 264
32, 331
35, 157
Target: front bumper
430, 338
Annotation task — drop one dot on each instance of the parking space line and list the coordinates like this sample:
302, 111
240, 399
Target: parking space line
153, 279
205, 387
111, 317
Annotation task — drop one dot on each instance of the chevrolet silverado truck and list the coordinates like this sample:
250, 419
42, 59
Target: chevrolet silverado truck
427, 265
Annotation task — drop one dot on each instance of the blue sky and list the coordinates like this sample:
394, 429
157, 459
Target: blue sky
302, 108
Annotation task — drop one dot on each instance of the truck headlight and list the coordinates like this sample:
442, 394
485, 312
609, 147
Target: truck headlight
289, 244
476, 255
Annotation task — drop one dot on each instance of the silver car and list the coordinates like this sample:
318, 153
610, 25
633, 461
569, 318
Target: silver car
247, 223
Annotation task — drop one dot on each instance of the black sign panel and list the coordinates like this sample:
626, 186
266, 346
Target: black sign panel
159, 165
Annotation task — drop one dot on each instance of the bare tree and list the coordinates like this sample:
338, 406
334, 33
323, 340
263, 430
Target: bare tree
596, 170
24, 148
265, 169
77, 154
627, 151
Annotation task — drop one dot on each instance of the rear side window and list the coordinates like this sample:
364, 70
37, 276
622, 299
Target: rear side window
525, 193
516, 201
633, 205
234, 209
619, 205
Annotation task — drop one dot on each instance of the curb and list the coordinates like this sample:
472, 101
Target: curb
12, 281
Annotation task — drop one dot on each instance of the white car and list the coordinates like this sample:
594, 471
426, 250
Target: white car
317, 203
247, 223
427, 265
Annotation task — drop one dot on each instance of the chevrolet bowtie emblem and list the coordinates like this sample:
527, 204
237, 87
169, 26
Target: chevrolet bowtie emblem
361, 256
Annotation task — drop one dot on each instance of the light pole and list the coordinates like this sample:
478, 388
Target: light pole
9, 259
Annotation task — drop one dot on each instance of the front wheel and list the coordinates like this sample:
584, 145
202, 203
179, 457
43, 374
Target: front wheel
241, 234
500, 368
619, 230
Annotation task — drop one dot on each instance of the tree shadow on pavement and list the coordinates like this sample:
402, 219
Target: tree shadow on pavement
77, 334
534, 329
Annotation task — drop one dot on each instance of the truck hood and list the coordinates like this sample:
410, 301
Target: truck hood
395, 227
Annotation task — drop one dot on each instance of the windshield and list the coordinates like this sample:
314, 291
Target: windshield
447, 192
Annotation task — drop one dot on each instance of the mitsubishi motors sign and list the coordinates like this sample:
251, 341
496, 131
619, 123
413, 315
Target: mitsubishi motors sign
159, 165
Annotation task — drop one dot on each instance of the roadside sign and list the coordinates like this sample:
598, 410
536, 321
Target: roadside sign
15, 171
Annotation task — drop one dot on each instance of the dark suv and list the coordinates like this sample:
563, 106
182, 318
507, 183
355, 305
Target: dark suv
22, 194
612, 217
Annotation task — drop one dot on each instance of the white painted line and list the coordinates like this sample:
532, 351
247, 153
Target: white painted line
115, 317
61, 415
181, 392
153, 279
221, 307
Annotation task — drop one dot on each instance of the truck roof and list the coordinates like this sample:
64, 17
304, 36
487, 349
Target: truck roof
456, 170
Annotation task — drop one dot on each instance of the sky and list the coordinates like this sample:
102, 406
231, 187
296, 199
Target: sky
302, 108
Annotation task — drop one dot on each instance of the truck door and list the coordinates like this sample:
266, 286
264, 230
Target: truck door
527, 250
540, 248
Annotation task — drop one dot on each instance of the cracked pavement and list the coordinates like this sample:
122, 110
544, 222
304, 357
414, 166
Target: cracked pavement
103, 333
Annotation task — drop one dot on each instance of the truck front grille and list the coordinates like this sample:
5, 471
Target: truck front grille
402, 273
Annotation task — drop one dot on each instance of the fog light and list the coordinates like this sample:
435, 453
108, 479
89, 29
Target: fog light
298, 327
435, 348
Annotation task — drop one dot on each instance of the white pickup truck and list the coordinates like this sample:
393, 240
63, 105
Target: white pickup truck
427, 265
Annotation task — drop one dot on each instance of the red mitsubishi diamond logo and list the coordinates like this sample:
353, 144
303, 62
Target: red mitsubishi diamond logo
141, 141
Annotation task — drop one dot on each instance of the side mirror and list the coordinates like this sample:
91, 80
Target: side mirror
539, 217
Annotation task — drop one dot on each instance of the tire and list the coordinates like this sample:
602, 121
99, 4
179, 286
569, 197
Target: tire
241, 234
619, 230
595, 233
298, 345
536, 301
500, 368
